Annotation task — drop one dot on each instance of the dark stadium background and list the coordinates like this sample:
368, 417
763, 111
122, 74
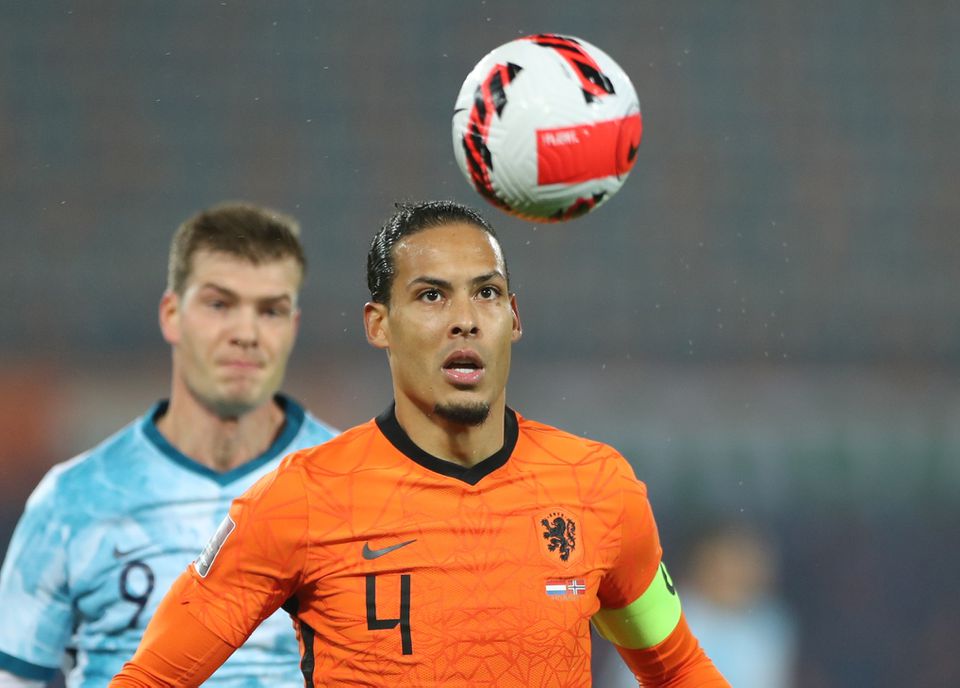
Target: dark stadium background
766, 319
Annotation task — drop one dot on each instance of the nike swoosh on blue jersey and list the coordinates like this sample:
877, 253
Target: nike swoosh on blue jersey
120, 554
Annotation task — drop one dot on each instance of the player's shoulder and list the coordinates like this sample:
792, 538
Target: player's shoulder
566, 447
558, 457
91, 472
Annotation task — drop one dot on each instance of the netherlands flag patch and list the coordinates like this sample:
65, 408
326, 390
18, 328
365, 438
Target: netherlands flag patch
565, 587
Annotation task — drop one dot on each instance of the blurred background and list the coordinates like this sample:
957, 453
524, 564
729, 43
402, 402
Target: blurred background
765, 319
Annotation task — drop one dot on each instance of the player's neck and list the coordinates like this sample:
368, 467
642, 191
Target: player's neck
454, 442
218, 443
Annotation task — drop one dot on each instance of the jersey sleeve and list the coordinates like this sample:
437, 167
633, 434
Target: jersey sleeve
34, 588
639, 558
176, 650
8, 680
676, 662
254, 562
640, 608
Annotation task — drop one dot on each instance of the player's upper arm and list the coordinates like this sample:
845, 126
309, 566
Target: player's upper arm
638, 561
646, 621
639, 604
176, 649
640, 609
254, 562
8, 680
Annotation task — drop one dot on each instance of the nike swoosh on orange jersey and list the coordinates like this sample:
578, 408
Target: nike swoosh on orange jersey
375, 553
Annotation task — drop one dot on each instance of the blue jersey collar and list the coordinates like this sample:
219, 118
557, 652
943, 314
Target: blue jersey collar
293, 421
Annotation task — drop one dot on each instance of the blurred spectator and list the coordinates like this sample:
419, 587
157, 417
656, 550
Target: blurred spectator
729, 595
731, 599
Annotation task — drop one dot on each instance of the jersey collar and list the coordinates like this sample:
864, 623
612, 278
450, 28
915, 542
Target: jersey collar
293, 421
390, 427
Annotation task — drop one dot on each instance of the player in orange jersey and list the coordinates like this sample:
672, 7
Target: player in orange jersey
449, 541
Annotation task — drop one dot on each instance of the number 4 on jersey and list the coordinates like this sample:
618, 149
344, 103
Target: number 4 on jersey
375, 624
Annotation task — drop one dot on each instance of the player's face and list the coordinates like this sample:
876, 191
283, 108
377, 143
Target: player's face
232, 330
450, 324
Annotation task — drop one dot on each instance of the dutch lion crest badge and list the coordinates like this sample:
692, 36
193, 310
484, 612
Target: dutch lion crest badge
559, 533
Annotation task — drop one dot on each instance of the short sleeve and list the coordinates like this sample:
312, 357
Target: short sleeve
640, 551
254, 562
34, 592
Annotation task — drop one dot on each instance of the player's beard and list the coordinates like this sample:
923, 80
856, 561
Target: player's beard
463, 414
230, 405
230, 408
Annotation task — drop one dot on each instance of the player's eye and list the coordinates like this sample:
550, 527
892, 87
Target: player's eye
217, 304
488, 292
430, 296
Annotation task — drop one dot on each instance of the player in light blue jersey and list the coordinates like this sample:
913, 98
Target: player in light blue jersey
104, 534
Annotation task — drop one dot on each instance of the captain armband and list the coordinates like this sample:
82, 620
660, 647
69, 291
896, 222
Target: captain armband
646, 621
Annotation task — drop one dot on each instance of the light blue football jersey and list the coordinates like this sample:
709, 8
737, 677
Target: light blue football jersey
103, 537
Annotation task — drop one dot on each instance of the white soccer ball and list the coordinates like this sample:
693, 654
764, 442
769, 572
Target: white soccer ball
546, 127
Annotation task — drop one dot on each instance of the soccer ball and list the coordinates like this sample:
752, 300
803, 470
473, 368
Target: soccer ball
546, 127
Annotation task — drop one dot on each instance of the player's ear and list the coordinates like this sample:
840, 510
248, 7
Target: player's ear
169, 323
376, 325
517, 327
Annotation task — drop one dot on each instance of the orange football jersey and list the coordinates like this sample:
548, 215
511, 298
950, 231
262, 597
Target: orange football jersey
399, 568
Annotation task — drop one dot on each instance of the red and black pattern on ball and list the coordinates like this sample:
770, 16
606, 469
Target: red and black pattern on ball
593, 82
579, 207
488, 100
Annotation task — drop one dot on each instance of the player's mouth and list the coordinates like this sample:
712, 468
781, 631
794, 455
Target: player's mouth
241, 364
463, 368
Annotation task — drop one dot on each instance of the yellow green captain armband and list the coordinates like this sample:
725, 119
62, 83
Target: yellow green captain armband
646, 621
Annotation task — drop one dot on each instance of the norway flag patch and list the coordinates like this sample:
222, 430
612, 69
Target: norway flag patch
565, 587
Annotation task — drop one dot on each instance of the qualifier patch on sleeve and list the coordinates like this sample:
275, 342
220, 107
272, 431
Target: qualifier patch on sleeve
209, 554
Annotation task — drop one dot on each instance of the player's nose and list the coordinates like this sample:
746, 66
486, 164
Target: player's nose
463, 318
245, 331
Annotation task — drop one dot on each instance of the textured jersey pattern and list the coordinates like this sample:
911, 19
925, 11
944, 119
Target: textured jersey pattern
399, 574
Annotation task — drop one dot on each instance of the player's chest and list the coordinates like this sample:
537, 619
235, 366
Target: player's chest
122, 565
482, 563
558, 524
